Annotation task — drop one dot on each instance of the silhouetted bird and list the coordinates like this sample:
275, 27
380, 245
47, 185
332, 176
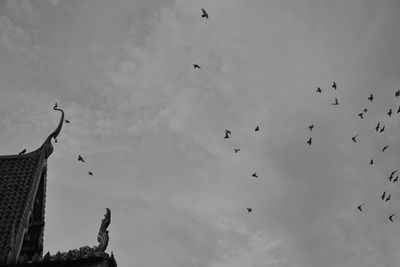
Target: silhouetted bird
334, 85
384, 148
318, 90
360, 207
365, 110
371, 97
383, 128
396, 179
236, 150
227, 133
391, 217
80, 158
383, 195
22, 152
336, 102
389, 112
354, 138
393, 172
388, 198
361, 115
195, 66
397, 94
254, 175
205, 14
371, 162
311, 127
309, 141
257, 129
249, 210
66, 121
398, 110
377, 126
90, 173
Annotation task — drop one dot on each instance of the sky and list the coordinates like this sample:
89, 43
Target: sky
151, 127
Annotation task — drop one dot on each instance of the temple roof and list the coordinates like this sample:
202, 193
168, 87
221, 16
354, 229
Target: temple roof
84, 256
22, 197
17, 177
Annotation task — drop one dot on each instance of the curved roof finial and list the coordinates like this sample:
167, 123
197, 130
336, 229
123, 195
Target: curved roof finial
54, 134
103, 237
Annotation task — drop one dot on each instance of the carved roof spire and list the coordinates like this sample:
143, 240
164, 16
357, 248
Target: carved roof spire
47, 143
103, 237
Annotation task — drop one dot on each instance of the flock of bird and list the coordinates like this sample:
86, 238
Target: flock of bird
80, 158
386, 196
228, 134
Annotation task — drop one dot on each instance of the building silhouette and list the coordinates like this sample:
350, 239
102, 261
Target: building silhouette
22, 209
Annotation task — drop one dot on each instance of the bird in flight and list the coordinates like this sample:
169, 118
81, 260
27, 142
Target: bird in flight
388, 198
254, 175
391, 175
398, 110
80, 158
205, 14
195, 66
90, 173
371, 162
334, 85
22, 152
377, 126
257, 129
318, 90
227, 133
365, 110
389, 112
385, 147
395, 179
354, 138
236, 150
383, 128
383, 195
249, 210
360, 207
371, 97
336, 102
311, 127
397, 93
361, 115
391, 217
309, 141
66, 121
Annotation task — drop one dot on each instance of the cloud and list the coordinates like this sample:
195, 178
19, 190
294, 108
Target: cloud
152, 127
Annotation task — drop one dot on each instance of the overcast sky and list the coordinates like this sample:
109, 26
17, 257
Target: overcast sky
151, 127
